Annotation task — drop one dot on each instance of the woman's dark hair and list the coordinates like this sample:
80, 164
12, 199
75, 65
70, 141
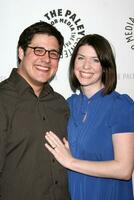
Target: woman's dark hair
106, 58
39, 28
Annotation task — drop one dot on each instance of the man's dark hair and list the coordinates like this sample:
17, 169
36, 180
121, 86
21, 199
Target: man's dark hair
39, 28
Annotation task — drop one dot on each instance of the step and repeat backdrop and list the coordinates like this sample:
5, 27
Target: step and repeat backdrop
113, 19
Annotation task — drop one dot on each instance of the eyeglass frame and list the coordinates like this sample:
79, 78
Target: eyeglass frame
45, 51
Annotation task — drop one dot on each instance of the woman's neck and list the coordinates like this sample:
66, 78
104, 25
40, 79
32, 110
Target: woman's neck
89, 91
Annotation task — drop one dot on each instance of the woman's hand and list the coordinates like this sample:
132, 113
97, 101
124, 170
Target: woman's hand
60, 149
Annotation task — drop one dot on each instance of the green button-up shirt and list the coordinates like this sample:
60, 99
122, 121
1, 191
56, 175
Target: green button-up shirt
28, 171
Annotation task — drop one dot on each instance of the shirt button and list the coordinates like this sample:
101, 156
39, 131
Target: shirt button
56, 182
43, 117
53, 160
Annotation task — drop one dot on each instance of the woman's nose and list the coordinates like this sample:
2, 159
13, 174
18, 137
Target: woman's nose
87, 64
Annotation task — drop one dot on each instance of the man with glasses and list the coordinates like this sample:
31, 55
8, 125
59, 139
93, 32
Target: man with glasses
29, 107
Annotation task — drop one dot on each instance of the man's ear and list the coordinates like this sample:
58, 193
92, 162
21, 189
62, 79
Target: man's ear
20, 53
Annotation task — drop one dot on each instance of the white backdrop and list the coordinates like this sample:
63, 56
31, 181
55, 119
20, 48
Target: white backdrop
113, 19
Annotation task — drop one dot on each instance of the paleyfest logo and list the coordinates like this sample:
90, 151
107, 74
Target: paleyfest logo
129, 32
69, 24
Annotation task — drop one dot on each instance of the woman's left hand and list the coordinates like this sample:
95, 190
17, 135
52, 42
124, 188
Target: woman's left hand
60, 149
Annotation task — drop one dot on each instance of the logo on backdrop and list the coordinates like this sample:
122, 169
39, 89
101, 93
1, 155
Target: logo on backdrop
129, 32
69, 24
129, 35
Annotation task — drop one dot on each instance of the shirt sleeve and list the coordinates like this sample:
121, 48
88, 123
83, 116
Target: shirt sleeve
122, 117
3, 133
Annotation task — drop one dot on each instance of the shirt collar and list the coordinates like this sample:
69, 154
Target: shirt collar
95, 96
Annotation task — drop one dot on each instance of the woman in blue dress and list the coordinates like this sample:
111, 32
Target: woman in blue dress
99, 153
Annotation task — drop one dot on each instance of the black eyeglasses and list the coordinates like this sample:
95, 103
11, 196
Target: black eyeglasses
41, 51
